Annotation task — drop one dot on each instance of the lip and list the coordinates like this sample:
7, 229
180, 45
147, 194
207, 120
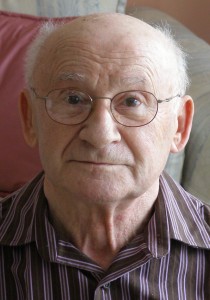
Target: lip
94, 163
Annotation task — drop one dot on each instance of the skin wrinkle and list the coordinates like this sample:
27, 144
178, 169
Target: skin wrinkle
130, 82
95, 55
66, 76
165, 41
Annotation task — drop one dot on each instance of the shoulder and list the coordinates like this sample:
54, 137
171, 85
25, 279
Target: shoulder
17, 210
188, 216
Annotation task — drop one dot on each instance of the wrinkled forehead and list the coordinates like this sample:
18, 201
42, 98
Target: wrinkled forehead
108, 39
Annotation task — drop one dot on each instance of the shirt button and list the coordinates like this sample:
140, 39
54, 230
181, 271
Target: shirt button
106, 286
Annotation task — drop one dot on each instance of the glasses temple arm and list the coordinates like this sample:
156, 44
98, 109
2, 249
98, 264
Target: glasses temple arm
168, 99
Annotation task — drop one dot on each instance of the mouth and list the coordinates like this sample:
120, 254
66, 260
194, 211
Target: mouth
98, 163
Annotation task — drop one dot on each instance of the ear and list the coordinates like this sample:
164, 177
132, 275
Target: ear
26, 115
184, 124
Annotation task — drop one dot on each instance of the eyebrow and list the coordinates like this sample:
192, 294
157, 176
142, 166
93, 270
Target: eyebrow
133, 80
130, 80
71, 76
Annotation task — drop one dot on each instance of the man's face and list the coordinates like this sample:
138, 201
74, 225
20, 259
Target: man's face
101, 160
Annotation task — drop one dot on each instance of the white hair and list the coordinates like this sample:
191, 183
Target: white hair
179, 77
33, 50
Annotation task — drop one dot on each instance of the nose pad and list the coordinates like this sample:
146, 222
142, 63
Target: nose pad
100, 129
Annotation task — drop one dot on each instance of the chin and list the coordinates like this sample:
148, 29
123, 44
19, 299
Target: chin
100, 190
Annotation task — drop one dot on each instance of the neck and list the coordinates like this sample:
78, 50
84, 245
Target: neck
101, 230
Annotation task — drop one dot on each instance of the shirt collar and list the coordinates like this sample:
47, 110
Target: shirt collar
178, 215
185, 214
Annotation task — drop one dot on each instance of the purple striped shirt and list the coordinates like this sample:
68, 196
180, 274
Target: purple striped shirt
169, 260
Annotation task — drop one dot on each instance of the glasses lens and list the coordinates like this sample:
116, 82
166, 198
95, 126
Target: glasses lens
134, 108
68, 106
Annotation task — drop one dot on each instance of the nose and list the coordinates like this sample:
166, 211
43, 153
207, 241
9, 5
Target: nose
100, 129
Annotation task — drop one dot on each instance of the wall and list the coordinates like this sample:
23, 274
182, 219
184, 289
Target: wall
192, 13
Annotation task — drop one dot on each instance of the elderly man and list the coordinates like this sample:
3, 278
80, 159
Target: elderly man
105, 103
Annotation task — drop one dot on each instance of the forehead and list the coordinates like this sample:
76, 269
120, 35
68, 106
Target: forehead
99, 47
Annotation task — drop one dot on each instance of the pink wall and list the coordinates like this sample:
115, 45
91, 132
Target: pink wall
195, 14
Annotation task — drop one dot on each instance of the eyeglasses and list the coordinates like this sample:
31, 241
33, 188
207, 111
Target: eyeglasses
70, 106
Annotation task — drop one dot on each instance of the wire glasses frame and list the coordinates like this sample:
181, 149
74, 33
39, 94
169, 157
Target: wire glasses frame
134, 108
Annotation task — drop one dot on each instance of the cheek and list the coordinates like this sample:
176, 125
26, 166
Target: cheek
48, 147
52, 138
151, 146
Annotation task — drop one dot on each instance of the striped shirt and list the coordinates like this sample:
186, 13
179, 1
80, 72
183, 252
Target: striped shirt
169, 260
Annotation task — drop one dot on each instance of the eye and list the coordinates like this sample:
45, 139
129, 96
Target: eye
132, 102
74, 98
131, 99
